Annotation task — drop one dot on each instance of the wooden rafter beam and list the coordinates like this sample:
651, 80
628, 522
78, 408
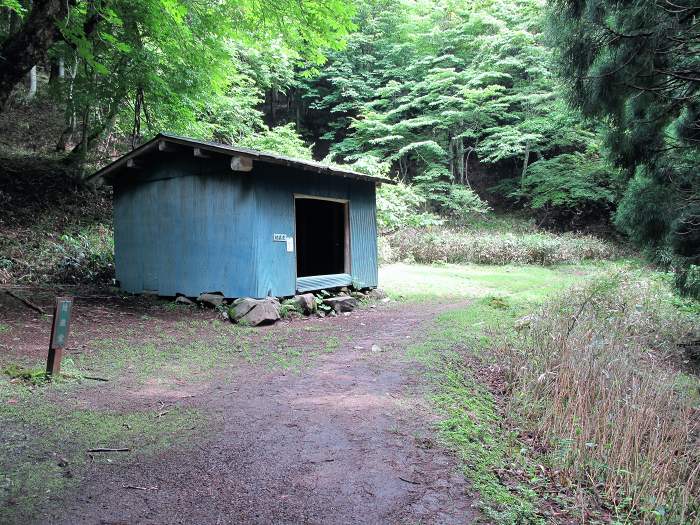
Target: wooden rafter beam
165, 147
240, 163
201, 154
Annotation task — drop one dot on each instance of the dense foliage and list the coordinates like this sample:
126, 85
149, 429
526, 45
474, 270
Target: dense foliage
635, 66
123, 70
584, 113
450, 92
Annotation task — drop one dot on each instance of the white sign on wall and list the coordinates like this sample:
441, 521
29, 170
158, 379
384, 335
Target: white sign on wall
282, 237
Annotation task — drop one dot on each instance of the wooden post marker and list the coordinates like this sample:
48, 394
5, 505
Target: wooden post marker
59, 334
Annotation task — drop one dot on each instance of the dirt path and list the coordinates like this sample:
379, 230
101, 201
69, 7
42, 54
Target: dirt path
347, 440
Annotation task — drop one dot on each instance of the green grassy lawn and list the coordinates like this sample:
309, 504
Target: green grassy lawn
436, 282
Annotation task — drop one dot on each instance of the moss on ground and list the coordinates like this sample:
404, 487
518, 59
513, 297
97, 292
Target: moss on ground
197, 348
44, 441
43, 450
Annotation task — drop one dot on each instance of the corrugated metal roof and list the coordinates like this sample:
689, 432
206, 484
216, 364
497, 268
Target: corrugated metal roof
225, 149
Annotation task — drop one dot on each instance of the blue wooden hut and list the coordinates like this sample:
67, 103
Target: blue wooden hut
193, 217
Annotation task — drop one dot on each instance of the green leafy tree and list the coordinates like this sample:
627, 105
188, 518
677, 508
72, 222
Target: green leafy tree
135, 68
283, 140
572, 189
634, 65
401, 206
438, 89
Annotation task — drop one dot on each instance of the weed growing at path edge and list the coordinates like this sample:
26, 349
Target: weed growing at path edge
576, 411
472, 421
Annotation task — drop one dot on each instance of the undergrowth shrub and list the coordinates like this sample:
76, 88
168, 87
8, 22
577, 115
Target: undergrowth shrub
85, 256
452, 246
401, 205
594, 375
52, 227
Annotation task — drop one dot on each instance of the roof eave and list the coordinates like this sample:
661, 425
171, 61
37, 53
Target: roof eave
232, 151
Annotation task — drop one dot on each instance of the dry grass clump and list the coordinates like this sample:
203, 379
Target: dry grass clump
480, 247
595, 377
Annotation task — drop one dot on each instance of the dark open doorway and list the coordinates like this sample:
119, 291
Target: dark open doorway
321, 230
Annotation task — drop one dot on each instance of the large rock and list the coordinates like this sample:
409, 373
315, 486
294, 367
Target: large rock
306, 302
211, 299
376, 294
343, 303
181, 299
254, 312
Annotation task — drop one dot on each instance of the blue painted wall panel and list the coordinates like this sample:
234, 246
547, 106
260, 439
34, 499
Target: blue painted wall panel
188, 226
363, 231
128, 254
275, 190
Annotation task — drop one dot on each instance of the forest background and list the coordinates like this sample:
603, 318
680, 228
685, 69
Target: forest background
581, 116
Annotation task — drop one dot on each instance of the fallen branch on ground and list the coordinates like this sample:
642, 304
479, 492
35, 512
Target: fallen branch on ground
409, 481
95, 378
27, 302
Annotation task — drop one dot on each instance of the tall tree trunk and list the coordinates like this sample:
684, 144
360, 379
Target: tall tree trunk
526, 161
470, 150
58, 71
21, 51
31, 91
299, 108
67, 134
273, 100
90, 137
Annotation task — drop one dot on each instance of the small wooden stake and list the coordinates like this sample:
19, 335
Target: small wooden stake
59, 334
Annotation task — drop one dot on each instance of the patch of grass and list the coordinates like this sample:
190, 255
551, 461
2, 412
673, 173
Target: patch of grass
195, 353
595, 377
472, 423
423, 282
44, 443
198, 348
34, 376
472, 426
290, 348
4, 328
587, 392
287, 358
332, 344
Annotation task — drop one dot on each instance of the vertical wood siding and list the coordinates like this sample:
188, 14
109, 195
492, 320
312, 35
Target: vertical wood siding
192, 225
363, 235
275, 188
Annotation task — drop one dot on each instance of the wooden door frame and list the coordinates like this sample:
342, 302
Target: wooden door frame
347, 266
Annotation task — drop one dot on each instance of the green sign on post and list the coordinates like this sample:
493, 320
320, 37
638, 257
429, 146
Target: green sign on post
59, 334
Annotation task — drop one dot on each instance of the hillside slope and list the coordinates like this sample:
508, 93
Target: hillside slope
52, 227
